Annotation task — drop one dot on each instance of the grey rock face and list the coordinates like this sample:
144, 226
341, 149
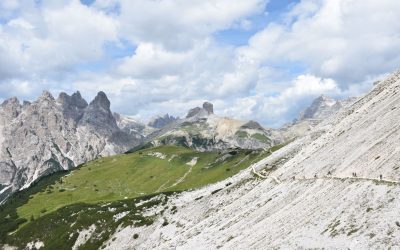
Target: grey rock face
73, 106
252, 125
323, 107
99, 116
207, 109
132, 127
162, 121
48, 136
204, 131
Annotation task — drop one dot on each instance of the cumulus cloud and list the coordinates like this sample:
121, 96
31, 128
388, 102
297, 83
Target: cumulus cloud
334, 47
347, 40
177, 25
45, 39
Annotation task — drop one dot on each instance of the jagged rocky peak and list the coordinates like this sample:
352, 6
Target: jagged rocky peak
99, 115
161, 121
74, 100
207, 109
12, 107
101, 100
49, 135
73, 106
252, 125
11, 101
46, 95
320, 108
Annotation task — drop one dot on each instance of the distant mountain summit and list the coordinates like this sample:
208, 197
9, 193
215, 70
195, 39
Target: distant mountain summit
205, 131
162, 121
207, 109
73, 106
320, 109
50, 135
323, 107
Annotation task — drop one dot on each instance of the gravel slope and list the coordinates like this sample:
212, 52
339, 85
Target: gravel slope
257, 213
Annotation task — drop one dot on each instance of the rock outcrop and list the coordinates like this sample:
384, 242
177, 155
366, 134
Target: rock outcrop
73, 106
50, 135
320, 109
162, 121
323, 107
133, 127
197, 112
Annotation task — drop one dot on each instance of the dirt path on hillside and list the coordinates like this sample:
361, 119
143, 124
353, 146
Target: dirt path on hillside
325, 177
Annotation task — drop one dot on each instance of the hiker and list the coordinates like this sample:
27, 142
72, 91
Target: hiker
329, 173
380, 177
315, 176
294, 177
355, 174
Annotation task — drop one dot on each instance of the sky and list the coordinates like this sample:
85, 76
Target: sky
264, 60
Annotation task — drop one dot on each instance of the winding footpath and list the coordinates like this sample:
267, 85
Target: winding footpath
325, 177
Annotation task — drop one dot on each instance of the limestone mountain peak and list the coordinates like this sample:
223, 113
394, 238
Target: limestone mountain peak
101, 100
207, 109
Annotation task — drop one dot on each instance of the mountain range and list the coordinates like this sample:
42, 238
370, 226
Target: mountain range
50, 135
86, 176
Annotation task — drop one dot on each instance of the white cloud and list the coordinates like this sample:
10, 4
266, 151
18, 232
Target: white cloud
336, 47
347, 40
177, 25
51, 39
274, 110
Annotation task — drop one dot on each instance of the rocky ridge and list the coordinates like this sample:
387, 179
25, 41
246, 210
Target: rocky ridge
133, 127
205, 131
50, 135
320, 109
161, 121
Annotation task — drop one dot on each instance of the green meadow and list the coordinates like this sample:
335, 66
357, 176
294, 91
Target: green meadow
66, 202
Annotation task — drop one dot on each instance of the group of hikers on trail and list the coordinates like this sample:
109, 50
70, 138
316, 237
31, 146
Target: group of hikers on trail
354, 174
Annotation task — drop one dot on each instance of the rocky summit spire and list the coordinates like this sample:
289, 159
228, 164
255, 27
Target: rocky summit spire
101, 100
11, 107
73, 106
46, 95
209, 107
161, 121
99, 115
77, 99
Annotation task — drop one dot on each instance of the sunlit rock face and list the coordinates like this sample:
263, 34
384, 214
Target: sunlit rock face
203, 130
50, 135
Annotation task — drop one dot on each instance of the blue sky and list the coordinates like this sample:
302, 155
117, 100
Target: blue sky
271, 13
254, 59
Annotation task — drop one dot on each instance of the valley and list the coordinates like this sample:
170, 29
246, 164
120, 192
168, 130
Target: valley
110, 182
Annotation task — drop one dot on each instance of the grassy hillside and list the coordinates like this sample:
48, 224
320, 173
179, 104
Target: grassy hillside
138, 174
96, 187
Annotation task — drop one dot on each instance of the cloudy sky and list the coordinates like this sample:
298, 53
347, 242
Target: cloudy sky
254, 59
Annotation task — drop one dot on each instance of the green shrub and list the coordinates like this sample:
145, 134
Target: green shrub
165, 223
